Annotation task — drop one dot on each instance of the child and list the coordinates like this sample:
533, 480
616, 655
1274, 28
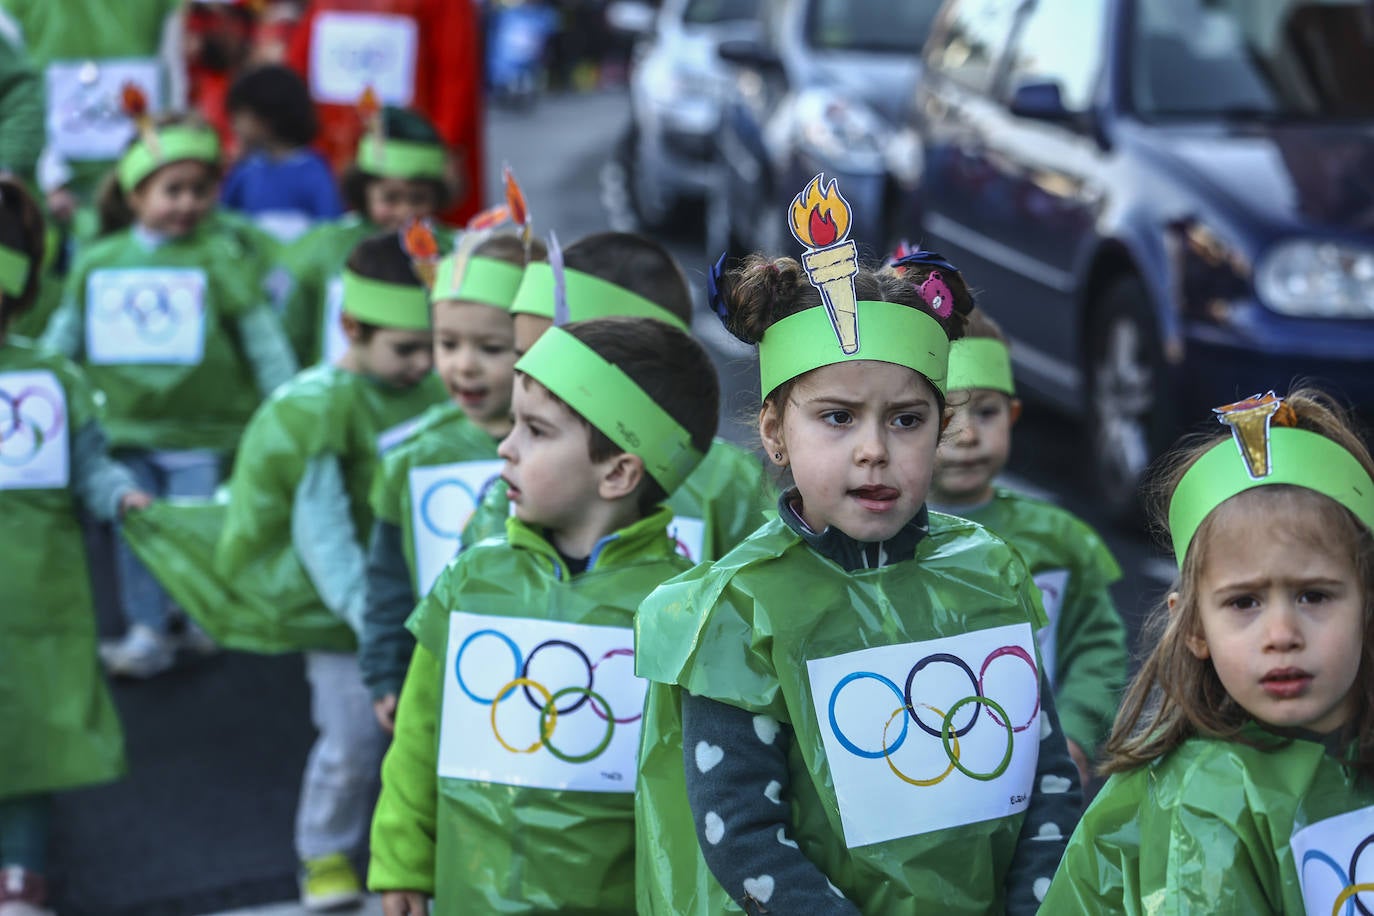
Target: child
1084, 647
59, 729
531, 810
280, 182
1242, 760
618, 273
431, 482
772, 745
169, 320
398, 177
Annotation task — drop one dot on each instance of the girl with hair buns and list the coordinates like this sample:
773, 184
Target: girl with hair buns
846, 712
1242, 760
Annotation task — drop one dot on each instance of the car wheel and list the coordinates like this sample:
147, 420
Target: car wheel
1128, 409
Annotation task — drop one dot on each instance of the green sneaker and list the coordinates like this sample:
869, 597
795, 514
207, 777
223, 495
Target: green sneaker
330, 883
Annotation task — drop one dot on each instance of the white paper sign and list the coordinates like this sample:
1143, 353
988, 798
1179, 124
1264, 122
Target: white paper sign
690, 536
283, 225
146, 315
1335, 860
352, 51
442, 499
502, 676
1053, 585
85, 115
882, 713
33, 432
333, 340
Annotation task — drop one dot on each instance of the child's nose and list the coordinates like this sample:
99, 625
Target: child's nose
872, 446
1283, 631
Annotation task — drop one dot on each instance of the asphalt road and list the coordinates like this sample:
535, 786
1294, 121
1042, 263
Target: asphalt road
203, 823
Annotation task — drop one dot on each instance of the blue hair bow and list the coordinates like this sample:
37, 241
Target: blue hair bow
713, 296
924, 258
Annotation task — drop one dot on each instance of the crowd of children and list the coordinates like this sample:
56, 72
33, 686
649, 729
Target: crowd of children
600, 660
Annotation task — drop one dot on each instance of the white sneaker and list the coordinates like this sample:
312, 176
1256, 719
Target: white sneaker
142, 653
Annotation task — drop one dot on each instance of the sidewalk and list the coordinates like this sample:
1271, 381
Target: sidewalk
373, 907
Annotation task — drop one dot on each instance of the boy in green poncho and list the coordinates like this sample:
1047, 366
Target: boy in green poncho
619, 273
509, 787
428, 485
1242, 763
1084, 646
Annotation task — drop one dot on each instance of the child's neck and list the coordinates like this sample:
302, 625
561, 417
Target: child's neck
579, 540
952, 503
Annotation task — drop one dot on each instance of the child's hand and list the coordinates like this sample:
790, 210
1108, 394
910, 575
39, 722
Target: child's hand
404, 903
134, 501
385, 711
1080, 760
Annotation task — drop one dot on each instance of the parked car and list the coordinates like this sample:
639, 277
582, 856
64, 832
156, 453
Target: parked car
1168, 205
819, 90
677, 82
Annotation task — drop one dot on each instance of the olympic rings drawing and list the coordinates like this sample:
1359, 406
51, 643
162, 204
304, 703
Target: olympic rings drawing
547, 701
427, 514
1349, 896
156, 311
29, 432
948, 733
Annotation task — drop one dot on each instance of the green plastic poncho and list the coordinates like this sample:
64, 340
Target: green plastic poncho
58, 727
518, 824
313, 294
159, 337
776, 629
720, 504
430, 484
1084, 647
233, 566
1221, 827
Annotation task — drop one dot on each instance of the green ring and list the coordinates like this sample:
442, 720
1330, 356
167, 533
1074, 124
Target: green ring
594, 752
948, 729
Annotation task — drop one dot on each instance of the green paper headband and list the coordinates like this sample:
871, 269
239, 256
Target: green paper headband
400, 158
1296, 457
387, 305
174, 144
888, 332
588, 297
610, 400
14, 270
980, 362
485, 280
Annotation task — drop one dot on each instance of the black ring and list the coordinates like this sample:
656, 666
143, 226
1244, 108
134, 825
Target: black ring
525, 672
1355, 860
911, 705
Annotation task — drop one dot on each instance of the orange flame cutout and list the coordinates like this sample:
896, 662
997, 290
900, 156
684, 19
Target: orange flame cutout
1250, 421
515, 198
133, 100
820, 217
368, 104
489, 218
419, 241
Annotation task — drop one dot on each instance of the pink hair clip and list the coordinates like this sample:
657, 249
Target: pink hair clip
936, 294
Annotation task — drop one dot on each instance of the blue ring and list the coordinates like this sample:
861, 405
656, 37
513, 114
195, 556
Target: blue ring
1335, 867
835, 725
458, 664
429, 494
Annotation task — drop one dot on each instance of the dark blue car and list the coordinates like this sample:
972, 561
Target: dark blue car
1168, 204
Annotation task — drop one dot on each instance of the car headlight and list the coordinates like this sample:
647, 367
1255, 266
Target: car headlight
1318, 279
835, 127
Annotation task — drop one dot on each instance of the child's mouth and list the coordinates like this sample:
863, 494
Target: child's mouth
1286, 683
875, 498
472, 396
512, 491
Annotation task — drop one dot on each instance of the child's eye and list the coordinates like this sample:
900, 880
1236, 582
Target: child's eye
1313, 597
1243, 602
907, 421
988, 413
495, 349
837, 417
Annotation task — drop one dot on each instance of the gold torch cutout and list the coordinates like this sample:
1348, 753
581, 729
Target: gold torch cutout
820, 221
1249, 421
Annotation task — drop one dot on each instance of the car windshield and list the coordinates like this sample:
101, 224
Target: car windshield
870, 25
1253, 59
709, 12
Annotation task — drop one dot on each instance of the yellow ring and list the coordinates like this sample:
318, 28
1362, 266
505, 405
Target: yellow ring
901, 710
1344, 896
548, 703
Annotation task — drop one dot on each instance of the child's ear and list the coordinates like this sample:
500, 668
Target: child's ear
1195, 641
1015, 407
945, 419
621, 476
770, 431
352, 328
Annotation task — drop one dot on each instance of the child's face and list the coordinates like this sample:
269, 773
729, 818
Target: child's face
250, 130
860, 438
173, 200
474, 353
393, 202
553, 481
1282, 617
393, 356
975, 447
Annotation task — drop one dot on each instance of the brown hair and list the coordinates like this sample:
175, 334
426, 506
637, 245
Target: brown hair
111, 203
21, 228
507, 247
980, 324
672, 368
1177, 696
636, 263
380, 257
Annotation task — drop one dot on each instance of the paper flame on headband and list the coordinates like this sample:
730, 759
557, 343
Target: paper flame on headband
368, 104
819, 219
423, 249
1250, 421
134, 102
820, 216
519, 210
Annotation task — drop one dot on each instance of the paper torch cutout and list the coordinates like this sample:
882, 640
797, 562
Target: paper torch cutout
134, 102
820, 221
515, 203
370, 111
423, 249
1250, 421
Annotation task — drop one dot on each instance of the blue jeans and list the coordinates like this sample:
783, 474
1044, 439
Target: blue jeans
141, 598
